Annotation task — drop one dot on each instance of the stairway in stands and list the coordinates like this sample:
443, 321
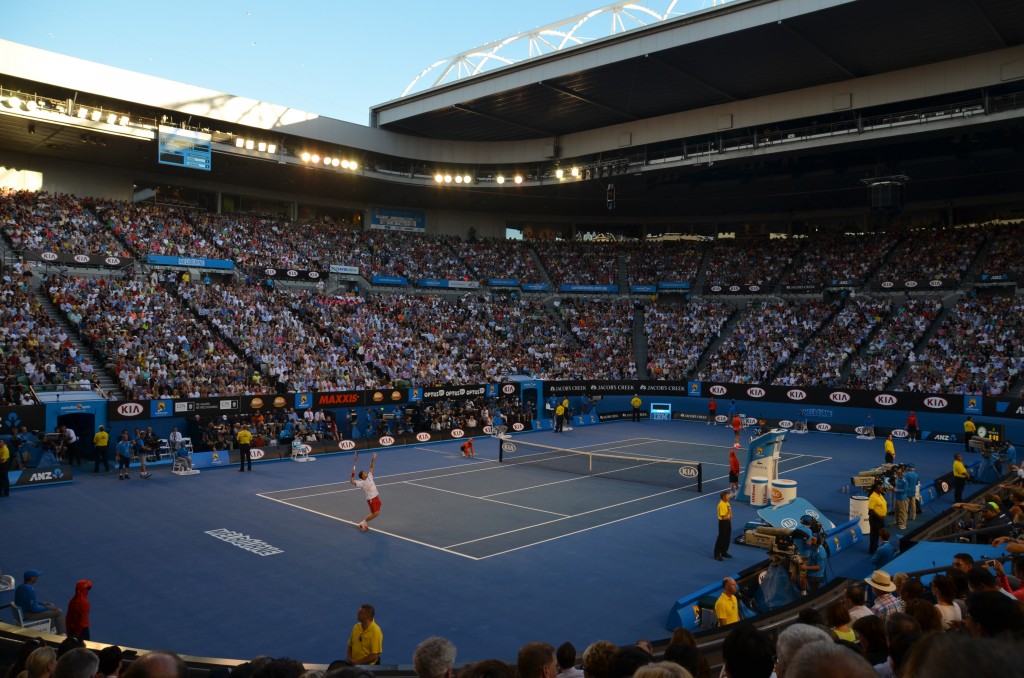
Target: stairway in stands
640, 342
727, 330
948, 302
545, 276
101, 376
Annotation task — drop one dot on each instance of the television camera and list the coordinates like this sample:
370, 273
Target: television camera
886, 474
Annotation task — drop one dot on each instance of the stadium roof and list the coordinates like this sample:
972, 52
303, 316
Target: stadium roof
736, 51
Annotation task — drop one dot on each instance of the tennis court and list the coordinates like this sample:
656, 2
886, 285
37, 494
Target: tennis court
466, 548
478, 508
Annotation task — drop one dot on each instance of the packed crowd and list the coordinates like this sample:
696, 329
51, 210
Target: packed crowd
504, 259
578, 263
671, 354
934, 254
1005, 255
267, 327
978, 349
648, 263
888, 348
767, 336
846, 257
749, 262
149, 340
55, 222
604, 330
34, 350
822, 359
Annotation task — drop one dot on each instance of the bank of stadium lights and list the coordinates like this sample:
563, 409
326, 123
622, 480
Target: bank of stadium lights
443, 178
253, 145
440, 178
328, 161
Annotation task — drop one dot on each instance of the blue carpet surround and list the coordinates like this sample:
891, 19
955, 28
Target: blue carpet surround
234, 565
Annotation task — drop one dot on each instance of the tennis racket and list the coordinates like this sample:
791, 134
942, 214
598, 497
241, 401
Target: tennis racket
355, 460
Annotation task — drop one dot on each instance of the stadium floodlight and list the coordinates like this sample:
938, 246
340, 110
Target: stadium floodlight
83, 112
439, 178
31, 105
559, 173
458, 178
467, 179
500, 179
239, 142
353, 165
249, 144
576, 172
327, 160
447, 178
335, 162
123, 121
96, 115
314, 158
271, 148
518, 179
305, 156
261, 146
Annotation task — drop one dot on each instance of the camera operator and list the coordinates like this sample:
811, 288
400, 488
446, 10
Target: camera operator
901, 489
812, 569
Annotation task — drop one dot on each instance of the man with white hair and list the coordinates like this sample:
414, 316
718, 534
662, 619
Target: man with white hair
434, 658
791, 640
77, 663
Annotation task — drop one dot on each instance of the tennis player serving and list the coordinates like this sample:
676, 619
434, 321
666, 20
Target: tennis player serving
366, 484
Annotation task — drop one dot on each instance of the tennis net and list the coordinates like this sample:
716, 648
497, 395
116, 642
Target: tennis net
673, 473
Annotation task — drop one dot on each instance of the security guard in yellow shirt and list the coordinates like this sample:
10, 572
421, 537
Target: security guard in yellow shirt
635, 402
878, 509
100, 445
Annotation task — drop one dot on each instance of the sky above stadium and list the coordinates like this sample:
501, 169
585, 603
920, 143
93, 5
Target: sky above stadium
331, 57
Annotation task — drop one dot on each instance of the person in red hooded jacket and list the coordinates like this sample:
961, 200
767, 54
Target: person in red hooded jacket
78, 611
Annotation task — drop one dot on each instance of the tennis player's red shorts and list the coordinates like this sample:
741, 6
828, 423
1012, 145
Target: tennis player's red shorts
374, 504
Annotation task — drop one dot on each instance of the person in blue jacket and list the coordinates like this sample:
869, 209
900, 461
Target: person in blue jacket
32, 608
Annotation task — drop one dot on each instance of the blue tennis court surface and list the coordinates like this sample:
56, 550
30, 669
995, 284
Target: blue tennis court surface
490, 555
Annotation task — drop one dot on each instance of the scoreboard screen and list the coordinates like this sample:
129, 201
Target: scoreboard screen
184, 148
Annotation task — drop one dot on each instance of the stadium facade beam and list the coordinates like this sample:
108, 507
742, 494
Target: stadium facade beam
689, 76
591, 102
991, 26
817, 49
469, 109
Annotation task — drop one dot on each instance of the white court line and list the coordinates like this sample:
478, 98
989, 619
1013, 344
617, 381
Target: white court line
484, 464
577, 515
374, 529
487, 498
449, 549
612, 522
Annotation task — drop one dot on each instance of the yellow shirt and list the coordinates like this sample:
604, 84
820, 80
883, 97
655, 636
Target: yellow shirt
5, 453
101, 439
364, 642
878, 505
959, 470
969, 427
728, 609
635, 402
244, 437
559, 410
890, 448
724, 510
